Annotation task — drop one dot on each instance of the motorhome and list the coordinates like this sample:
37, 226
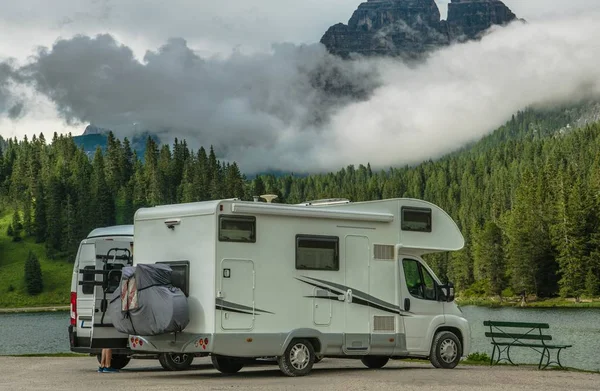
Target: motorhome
303, 282
96, 274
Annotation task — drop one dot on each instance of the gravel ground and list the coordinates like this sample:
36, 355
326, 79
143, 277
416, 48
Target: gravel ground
79, 373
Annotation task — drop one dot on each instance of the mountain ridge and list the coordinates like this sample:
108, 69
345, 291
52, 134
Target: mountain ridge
413, 28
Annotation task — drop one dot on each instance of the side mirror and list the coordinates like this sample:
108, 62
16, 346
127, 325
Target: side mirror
446, 292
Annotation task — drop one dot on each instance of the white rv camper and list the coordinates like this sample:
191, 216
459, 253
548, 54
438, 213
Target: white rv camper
96, 274
302, 282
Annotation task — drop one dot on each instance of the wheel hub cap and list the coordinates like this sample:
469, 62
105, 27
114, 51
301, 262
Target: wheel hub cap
448, 350
299, 356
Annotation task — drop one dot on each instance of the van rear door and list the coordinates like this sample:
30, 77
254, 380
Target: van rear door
111, 257
85, 293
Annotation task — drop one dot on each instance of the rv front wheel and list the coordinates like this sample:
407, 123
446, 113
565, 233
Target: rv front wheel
446, 350
375, 362
298, 358
225, 364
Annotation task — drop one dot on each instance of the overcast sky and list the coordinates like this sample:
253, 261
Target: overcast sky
208, 28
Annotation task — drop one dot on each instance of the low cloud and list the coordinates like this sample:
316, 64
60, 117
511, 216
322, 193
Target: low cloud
300, 109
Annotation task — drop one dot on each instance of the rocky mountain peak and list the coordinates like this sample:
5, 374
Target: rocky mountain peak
412, 28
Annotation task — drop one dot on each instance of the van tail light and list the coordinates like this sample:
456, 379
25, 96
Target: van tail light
73, 308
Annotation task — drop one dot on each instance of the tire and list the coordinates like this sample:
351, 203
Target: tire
175, 361
446, 350
375, 362
298, 358
226, 365
118, 361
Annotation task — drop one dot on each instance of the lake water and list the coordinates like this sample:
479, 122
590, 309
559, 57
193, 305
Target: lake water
47, 332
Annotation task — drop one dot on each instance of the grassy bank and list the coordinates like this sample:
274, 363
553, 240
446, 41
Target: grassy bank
531, 303
56, 274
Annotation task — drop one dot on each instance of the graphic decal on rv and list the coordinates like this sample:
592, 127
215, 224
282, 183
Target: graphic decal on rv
359, 297
240, 309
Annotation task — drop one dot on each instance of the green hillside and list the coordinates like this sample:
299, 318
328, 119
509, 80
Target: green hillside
56, 273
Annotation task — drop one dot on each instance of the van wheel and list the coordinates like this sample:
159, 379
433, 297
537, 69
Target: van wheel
298, 358
226, 364
446, 350
374, 362
175, 361
118, 361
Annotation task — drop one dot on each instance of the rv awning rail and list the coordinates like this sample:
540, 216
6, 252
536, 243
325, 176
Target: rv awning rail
270, 209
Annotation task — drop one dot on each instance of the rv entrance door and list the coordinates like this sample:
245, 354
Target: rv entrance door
418, 291
357, 336
111, 257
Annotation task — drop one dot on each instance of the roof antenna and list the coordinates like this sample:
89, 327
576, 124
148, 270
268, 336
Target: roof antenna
269, 197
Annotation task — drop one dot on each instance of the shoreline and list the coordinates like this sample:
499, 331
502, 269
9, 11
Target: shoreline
475, 302
22, 310
516, 303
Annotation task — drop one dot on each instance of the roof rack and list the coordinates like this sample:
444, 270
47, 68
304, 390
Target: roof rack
325, 201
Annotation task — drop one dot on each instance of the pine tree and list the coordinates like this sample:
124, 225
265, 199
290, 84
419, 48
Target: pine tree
33, 275
489, 258
17, 226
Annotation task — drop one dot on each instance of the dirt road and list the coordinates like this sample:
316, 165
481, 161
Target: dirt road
79, 373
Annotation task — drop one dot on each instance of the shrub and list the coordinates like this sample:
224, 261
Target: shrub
508, 292
478, 357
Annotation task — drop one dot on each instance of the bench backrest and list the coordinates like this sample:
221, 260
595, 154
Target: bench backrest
534, 330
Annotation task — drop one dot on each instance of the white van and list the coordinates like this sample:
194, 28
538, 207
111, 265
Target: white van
96, 274
302, 282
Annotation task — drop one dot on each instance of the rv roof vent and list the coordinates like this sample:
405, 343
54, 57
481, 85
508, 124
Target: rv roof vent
269, 197
326, 201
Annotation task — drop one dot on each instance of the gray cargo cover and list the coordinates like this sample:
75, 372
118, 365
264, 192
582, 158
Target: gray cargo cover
147, 303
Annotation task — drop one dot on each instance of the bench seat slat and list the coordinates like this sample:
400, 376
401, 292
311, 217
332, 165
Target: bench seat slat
531, 345
519, 336
516, 324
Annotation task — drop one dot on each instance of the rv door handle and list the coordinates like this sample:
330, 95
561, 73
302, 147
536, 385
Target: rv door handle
407, 304
349, 295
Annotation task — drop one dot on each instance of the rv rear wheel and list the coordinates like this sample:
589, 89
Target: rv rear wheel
298, 358
226, 364
375, 362
175, 361
446, 350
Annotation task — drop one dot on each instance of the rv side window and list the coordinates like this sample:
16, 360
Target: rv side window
416, 219
237, 228
88, 289
180, 276
317, 252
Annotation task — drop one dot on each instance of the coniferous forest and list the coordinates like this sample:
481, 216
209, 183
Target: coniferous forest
527, 198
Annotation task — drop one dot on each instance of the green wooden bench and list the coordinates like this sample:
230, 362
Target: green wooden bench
528, 335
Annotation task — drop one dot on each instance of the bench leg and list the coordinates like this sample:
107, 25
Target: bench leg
500, 358
508, 354
548, 362
493, 354
542, 358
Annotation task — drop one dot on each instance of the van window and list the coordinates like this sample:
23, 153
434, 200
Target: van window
416, 219
180, 275
419, 282
237, 228
88, 289
317, 252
